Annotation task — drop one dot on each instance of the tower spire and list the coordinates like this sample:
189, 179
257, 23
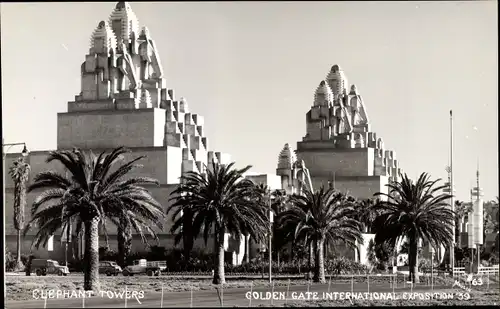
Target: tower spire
477, 180
477, 169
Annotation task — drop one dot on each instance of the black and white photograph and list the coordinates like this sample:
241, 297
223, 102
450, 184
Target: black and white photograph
250, 154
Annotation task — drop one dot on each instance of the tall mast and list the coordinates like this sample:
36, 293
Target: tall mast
452, 199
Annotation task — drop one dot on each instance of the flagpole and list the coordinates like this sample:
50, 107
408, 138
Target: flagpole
452, 199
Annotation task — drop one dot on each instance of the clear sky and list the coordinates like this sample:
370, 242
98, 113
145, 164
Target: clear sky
251, 68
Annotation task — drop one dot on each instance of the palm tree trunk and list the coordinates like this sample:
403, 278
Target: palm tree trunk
128, 243
74, 247
311, 255
219, 277
325, 251
413, 259
19, 263
320, 262
91, 263
120, 238
127, 249
246, 257
187, 237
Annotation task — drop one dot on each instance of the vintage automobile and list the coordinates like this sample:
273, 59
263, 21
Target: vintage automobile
109, 268
42, 267
141, 267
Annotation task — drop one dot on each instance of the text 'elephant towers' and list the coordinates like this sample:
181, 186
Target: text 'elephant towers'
339, 147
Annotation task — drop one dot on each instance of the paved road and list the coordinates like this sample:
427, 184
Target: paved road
207, 298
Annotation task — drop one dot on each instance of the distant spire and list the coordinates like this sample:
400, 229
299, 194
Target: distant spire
477, 171
477, 176
286, 157
124, 22
323, 95
105, 33
337, 80
121, 5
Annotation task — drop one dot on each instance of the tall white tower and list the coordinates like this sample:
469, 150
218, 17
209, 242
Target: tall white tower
477, 218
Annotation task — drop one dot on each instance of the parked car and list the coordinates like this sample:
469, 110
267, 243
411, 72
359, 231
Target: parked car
109, 268
141, 267
42, 267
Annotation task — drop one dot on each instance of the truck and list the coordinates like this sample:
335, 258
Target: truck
141, 267
160, 264
42, 267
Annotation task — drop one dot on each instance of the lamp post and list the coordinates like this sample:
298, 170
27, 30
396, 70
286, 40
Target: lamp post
68, 235
452, 199
271, 220
451, 191
24, 153
432, 267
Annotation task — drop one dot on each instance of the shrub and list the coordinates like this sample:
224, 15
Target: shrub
10, 260
26, 258
342, 265
425, 263
75, 265
262, 266
202, 261
493, 260
485, 263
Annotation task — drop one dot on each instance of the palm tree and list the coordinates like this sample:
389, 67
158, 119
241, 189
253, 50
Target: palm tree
263, 196
491, 221
371, 254
279, 203
183, 230
87, 198
277, 200
414, 211
125, 224
300, 247
365, 213
324, 215
285, 231
221, 201
19, 172
379, 255
187, 237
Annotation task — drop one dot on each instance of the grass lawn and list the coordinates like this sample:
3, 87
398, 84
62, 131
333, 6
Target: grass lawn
21, 287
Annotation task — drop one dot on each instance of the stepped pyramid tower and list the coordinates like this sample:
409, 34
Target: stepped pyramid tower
339, 149
124, 100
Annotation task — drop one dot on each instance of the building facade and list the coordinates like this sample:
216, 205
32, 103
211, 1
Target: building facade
125, 100
339, 147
